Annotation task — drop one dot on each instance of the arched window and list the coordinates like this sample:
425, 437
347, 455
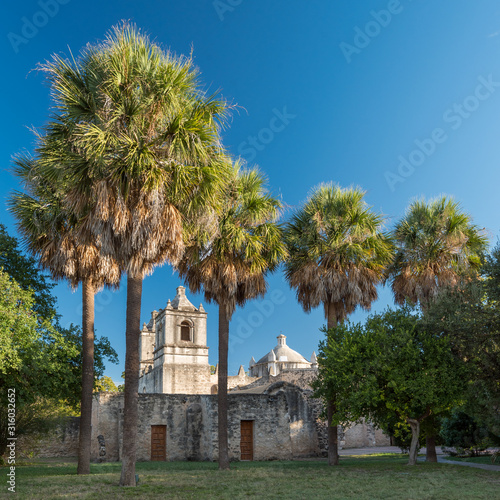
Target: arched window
186, 331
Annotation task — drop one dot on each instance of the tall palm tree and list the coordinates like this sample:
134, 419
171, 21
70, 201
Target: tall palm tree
337, 256
231, 266
437, 246
49, 233
145, 153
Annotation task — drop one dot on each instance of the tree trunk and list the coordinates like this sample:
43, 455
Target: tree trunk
415, 433
85, 439
222, 403
333, 433
333, 436
430, 444
130, 413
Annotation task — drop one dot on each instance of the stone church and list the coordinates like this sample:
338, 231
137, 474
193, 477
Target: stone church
272, 413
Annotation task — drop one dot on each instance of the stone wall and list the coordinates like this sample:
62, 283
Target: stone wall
364, 435
359, 435
288, 423
61, 442
191, 423
302, 421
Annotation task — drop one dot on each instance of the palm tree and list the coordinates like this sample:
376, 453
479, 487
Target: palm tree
145, 153
231, 266
337, 256
49, 233
437, 246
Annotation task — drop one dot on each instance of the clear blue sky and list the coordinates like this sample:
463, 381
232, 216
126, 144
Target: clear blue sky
320, 100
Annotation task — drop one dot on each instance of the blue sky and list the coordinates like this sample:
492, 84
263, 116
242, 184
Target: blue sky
399, 97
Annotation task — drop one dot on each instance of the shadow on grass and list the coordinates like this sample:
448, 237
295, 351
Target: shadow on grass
63, 467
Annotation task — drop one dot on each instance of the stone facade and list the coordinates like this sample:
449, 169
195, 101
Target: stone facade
191, 425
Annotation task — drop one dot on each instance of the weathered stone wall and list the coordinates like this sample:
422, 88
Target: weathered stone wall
303, 430
191, 423
364, 435
61, 442
355, 436
287, 424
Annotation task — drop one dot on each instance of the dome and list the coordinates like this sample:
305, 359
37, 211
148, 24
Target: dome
283, 353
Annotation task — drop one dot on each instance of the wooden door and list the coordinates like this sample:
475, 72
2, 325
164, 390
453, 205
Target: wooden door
158, 442
246, 443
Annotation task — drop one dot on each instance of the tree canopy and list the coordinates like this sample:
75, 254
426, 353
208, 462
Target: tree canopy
391, 371
24, 271
39, 358
470, 318
437, 246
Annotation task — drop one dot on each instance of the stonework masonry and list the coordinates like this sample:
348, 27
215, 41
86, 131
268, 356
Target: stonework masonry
191, 425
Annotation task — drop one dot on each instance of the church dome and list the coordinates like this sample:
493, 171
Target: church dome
280, 359
283, 353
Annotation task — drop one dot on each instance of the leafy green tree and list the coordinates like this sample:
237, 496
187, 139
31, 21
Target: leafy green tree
470, 317
231, 266
39, 361
397, 373
39, 358
106, 384
145, 154
24, 271
18, 323
337, 257
463, 433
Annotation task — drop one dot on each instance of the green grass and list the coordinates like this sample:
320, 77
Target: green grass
361, 478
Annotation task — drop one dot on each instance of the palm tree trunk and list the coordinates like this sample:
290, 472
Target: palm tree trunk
333, 433
222, 402
430, 445
85, 439
130, 411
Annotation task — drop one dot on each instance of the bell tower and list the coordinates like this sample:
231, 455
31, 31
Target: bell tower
179, 350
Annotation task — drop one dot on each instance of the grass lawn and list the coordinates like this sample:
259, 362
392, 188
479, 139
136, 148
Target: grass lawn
360, 478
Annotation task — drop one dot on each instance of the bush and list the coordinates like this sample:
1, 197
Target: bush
462, 432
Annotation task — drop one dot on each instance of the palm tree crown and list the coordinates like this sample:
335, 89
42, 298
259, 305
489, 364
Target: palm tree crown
337, 252
437, 244
142, 146
49, 231
231, 264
